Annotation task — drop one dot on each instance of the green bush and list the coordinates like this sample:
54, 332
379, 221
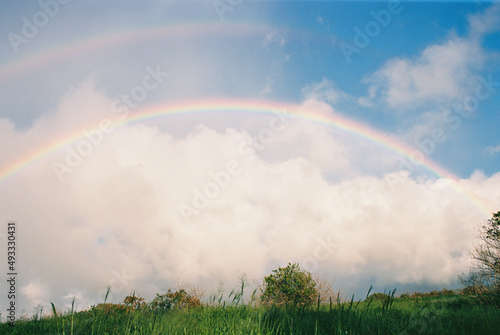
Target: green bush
289, 286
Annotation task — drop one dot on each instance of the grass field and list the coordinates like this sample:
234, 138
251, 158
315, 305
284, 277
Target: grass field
443, 314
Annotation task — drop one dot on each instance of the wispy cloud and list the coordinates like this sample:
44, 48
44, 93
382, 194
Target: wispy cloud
325, 90
275, 39
485, 22
492, 150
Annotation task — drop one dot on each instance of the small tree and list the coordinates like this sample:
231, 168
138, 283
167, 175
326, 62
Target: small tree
484, 279
289, 286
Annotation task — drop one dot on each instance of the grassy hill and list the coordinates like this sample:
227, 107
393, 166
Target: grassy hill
432, 313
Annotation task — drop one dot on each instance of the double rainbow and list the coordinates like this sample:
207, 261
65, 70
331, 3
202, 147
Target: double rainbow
94, 43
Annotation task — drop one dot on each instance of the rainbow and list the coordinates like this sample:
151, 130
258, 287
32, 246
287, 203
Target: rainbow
96, 43
106, 40
260, 107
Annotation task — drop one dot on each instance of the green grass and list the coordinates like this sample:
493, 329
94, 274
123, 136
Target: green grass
452, 314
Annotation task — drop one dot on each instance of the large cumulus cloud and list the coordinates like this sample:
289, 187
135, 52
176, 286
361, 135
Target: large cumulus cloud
136, 213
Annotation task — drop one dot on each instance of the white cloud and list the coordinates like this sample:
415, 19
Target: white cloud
302, 138
35, 293
443, 73
434, 91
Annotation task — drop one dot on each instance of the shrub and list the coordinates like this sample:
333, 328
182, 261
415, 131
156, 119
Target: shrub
134, 302
289, 286
174, 300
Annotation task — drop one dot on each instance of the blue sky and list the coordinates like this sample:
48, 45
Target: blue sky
418, 72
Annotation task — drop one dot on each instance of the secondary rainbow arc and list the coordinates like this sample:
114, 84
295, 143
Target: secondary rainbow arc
102, 41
